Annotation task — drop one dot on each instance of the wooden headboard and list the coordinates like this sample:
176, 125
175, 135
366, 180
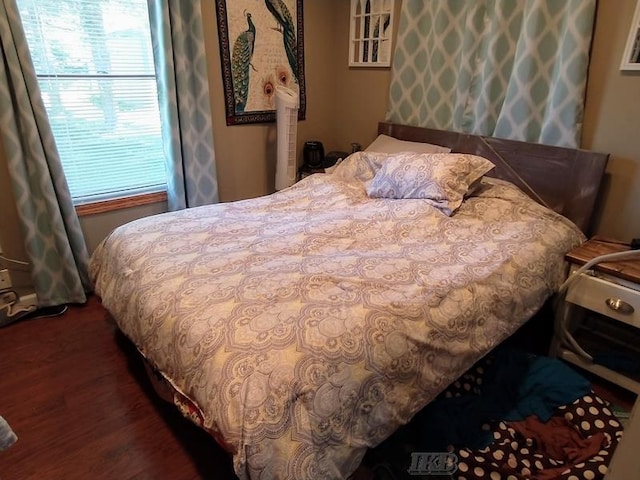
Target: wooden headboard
564, 179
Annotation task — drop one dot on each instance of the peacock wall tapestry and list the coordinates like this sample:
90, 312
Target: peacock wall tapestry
261, 47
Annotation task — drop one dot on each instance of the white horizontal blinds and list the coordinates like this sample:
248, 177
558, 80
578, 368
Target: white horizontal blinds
95, 67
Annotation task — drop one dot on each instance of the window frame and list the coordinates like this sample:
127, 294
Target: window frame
105, 201
104, 206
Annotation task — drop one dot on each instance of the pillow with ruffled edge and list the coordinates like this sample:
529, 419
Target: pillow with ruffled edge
386, 144
442, 179
361, 166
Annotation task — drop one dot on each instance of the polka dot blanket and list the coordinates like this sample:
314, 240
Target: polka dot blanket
577, 443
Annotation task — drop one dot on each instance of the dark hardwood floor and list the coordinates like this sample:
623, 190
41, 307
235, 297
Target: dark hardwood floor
76, 395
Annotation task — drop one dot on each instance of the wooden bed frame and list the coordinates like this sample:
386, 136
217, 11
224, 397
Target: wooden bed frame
564, 179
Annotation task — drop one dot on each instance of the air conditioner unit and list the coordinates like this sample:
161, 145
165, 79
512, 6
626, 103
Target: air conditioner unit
287, 125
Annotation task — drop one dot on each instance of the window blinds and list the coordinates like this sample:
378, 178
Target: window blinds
95, 68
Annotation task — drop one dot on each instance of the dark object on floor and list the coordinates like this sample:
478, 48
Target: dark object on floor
619, 361
13, 312
52, 311
511, 385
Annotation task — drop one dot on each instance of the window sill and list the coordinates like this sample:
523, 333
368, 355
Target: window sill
120, 203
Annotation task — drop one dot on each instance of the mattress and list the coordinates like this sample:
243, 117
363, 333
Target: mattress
308, 325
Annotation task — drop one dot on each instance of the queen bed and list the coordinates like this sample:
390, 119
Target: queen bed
303, 327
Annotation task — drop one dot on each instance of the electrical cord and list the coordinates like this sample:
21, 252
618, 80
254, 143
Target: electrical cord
565, 334
12, 260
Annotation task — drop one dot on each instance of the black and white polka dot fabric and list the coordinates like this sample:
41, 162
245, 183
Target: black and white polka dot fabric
514, 456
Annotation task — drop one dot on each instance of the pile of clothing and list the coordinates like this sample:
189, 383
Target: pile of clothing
512, 416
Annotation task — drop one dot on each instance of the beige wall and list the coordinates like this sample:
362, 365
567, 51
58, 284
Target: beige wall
612, 122
245, 154
361, 94
344, 105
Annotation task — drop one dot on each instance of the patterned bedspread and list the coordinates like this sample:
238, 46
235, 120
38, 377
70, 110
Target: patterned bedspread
309, 324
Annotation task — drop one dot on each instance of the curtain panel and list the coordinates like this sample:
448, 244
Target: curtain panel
185, 107
53, 238
507, 68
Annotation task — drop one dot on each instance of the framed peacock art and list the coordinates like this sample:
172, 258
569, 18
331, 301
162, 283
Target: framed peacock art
261, 47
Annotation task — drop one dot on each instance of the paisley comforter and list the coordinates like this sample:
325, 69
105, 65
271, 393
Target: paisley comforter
309, 324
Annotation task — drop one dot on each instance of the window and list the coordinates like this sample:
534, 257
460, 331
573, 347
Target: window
94, 63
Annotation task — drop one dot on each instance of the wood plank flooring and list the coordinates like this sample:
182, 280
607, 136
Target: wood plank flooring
75, 393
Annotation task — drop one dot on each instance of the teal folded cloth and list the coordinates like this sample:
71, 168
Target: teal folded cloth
508, 385
532, 385
515, 386
7, 436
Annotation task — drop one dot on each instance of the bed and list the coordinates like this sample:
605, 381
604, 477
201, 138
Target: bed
303, 327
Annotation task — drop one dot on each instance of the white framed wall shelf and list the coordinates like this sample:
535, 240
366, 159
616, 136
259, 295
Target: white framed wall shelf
370, 33
631, 56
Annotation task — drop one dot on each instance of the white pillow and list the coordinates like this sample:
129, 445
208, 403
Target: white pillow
387, 144
441, 179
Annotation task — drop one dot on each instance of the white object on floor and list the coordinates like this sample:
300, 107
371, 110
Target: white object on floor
11, 310
7, 436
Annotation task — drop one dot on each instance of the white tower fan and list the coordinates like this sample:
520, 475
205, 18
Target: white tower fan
287, 121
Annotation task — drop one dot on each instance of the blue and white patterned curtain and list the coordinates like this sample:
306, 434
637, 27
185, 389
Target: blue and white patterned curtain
183, 90
508, 68
53, 239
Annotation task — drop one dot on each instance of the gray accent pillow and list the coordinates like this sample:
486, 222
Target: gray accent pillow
442, 179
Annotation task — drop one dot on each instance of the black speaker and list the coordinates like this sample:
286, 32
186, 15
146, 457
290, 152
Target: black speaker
313, 154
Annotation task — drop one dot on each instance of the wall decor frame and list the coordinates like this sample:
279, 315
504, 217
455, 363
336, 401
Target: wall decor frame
371, 33
631, 56
261, 47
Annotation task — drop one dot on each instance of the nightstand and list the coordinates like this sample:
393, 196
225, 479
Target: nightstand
606, 294
602, 310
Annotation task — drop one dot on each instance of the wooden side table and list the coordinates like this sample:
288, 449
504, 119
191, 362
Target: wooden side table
612, 292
